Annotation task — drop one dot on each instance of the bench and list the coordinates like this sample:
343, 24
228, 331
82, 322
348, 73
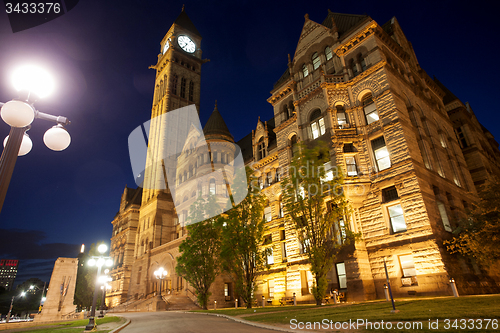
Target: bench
286, 300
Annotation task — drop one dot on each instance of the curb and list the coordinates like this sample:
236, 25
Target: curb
118, 329
246, 322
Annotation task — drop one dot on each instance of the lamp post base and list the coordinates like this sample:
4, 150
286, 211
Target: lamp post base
91, 325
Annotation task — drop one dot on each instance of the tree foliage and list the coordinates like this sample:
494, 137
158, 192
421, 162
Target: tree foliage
85, 280
479, 234
242, 236
199, 259
315, 201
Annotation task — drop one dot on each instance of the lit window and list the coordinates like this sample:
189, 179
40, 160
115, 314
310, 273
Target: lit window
397, 218
304, 245
305, 71
315, 60
363, 64
350, 162
317, 124
270, 257
328, 53
455, 173
341, 275
281, 214
269, 179
444, 216
267, 214
328, 172
278, 175
442, 139
407, 266
370, 109
381, 153
212, 186
227, 289
341, 117
283, 250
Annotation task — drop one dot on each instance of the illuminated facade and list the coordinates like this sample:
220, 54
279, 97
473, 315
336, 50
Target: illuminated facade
357, 86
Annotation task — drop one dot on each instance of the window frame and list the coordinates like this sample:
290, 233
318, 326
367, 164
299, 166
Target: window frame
381, 149
369, 108
316, 61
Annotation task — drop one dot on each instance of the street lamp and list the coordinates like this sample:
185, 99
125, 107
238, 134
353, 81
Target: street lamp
12, 303
31, 83
160, 274
103, 279
98, 261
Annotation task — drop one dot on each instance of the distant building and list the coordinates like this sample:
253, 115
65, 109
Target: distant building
8, 272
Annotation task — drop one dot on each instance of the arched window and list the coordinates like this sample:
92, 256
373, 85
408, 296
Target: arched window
280, 204
191, 171
183, 87
285, 112
317, 127
305, 70
315, 60
164, 90
191, 90
261, 148
174, 84
293, 145
342, 120
290, 109
369, 108
328, 53
212, 186
362, 62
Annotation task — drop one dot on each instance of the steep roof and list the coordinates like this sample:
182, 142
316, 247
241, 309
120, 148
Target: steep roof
216, 126
184, 21
344, 22
449, 97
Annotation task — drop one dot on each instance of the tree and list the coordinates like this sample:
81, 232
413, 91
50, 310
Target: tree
479, 234
199, 259
242, 235
85, 280
314, 199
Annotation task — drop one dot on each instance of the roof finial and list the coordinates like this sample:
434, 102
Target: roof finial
306, 17
182, 7
216, 104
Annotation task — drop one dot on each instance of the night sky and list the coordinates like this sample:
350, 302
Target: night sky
99, 54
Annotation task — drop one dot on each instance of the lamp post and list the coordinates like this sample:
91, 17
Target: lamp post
32, 83
11, 304
98, 261
160, 274
103, 280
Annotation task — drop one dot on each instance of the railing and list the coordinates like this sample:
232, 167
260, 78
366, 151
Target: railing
334, 78
192, 296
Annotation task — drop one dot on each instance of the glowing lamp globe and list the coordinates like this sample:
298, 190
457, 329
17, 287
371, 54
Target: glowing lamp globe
57, 138
91, 262
102, 248
26, 145
34, 80
100, 262
17, 113
109, 262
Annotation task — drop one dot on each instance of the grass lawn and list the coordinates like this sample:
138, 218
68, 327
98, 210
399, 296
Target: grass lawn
71, 326
416, 310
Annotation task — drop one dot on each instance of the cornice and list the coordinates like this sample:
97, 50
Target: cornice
276, 97
266, 160
344, 48
286, 123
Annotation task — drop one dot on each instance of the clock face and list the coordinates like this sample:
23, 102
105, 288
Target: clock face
167, 45
186, 44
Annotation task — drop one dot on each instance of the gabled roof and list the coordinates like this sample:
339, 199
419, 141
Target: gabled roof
216, 126
344, 22
184, 21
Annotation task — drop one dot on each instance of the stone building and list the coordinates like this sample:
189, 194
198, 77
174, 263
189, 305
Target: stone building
357, 86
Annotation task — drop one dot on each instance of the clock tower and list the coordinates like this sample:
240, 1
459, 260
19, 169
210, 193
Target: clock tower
177, 84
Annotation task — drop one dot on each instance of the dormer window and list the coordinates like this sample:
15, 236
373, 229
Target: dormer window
317, 127
305, 70
261, 149
315, 60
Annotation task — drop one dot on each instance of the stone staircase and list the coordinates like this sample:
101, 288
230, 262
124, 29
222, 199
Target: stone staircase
179, 302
